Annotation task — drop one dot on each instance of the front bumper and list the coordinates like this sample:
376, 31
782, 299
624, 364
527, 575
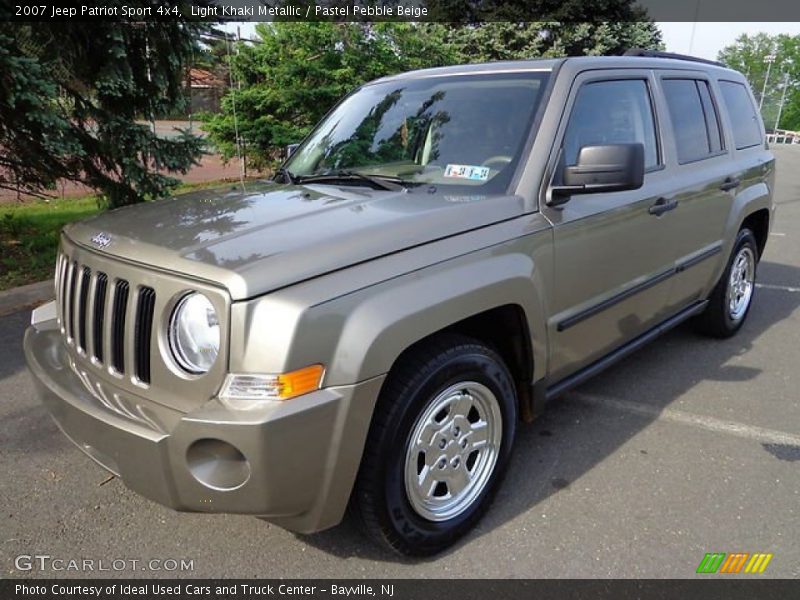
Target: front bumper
296, 460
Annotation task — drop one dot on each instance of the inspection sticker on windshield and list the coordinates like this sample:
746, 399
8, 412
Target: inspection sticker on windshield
467, 172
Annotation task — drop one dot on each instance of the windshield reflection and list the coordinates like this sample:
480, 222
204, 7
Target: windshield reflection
457, 130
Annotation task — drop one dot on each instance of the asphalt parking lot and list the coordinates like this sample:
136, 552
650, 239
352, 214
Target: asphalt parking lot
690, 446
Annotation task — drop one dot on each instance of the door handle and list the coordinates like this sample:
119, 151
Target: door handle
661, 206
731, 183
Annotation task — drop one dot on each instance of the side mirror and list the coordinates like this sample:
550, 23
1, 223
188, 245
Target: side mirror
290, 148
609, 168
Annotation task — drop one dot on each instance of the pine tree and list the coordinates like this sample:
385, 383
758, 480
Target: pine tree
71, 96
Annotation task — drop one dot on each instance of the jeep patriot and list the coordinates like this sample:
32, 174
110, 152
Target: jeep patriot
447, 250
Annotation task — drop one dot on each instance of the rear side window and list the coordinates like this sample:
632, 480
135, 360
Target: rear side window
712, 118
695, 122
611, 112
744, 120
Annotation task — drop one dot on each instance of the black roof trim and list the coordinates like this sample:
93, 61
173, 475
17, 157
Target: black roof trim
672, 55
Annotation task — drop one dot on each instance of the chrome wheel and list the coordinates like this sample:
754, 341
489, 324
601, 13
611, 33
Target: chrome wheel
453, 450
740, 283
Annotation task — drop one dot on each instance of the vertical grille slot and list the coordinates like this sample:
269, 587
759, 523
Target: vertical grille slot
99, 314
83, 297
59, 266
71, 297
62, 280
143, 333
118, 326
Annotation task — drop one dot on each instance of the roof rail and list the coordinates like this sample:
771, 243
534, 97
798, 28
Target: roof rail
672, 55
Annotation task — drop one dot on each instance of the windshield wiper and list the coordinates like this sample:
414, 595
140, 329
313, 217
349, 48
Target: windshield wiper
381, 182
287, 175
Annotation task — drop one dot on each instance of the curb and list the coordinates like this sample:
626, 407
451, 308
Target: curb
26, 296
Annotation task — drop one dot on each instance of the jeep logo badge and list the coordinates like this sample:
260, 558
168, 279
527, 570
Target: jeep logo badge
101, 240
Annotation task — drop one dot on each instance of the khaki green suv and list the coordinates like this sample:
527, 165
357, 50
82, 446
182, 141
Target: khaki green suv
448, 250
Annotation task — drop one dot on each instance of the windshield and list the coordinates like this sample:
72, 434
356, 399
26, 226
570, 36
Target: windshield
466, 130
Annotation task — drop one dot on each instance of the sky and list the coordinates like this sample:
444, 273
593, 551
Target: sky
710, 38
700, 39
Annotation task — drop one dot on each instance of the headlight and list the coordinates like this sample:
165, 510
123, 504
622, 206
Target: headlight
194, 333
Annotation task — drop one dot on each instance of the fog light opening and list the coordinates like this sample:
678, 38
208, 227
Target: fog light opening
217, 465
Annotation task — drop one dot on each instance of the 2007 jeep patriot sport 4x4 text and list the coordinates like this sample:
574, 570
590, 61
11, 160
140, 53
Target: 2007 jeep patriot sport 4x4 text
446, 251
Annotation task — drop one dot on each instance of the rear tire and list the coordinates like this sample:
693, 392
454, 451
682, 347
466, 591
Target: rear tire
730, 302
438, 446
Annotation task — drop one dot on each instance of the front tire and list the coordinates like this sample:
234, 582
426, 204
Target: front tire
729, 303
438, 446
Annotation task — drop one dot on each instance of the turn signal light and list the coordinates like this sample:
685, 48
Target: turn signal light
299, 382
273, 387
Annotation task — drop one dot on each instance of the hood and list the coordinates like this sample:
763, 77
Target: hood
274, 235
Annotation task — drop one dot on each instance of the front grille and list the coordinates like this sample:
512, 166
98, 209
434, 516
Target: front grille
112, 327
93, 311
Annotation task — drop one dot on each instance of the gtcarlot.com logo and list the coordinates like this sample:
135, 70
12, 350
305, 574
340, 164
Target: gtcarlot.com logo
736, 562
45, 562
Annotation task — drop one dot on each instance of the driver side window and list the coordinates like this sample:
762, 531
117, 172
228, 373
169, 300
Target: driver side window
611, 112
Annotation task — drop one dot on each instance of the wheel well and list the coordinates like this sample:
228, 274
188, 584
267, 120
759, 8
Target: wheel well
758, 223
505, 329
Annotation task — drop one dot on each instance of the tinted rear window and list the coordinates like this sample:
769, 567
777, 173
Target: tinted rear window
712, 117
744, 120
694, 120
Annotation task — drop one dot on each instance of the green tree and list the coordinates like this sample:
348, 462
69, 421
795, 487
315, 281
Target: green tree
298, 71
508, 41
748, 54
70, 97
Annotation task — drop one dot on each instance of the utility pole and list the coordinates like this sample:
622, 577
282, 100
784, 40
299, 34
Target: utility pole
769, 59
783, 99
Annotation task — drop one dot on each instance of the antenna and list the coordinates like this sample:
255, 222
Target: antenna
235, 118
